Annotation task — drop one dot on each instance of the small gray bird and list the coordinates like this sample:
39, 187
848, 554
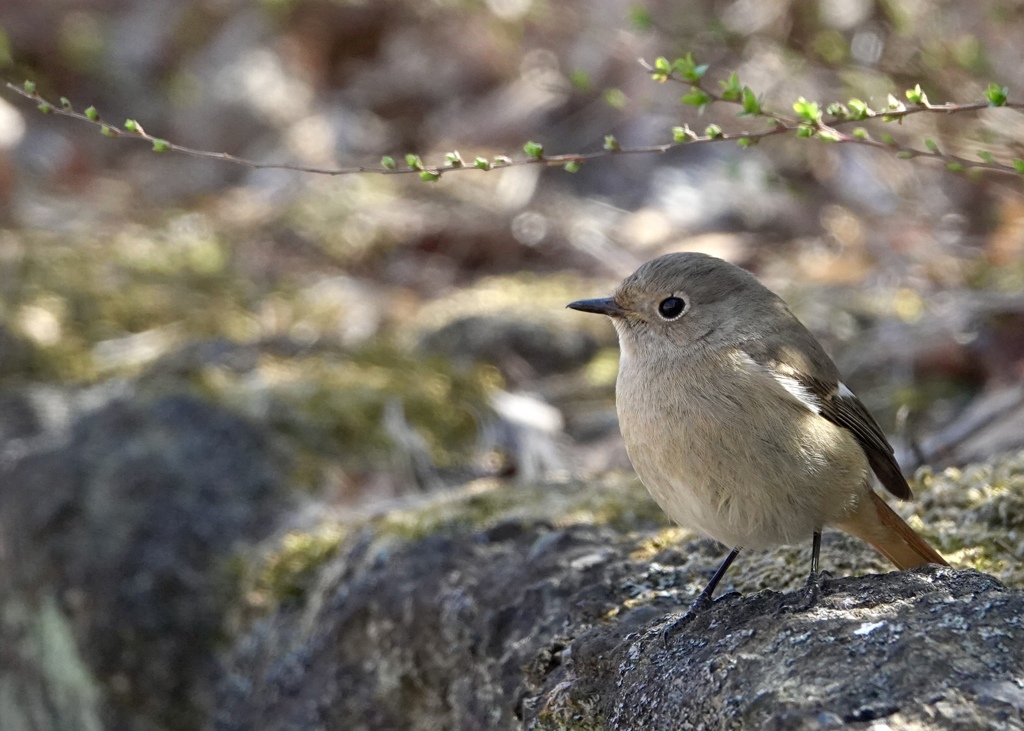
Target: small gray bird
736, 420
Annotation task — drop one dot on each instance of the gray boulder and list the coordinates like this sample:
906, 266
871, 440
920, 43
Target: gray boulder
118, 541
525, 620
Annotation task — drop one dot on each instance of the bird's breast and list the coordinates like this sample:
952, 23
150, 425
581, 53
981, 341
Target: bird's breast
731, 455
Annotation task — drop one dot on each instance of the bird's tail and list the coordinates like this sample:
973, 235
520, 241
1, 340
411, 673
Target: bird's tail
876, 523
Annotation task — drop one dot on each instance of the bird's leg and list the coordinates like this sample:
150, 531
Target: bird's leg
703, 600
814, 581
815, 552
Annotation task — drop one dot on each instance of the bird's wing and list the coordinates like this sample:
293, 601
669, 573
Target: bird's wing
831, 399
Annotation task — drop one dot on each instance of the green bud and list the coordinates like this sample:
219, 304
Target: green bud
696, 98
45, 107
808, 111
611, 144
861, 134
502, 160
713, 131
573, 166
751, 104
132, 126
534, 150
986, 156
429, 177
916, 96
453, 159
837, 110
662, 69
931, 144
29, 86
615, 98
688, 69
92, 114
858, 109
1018, 165
413, 161
388, 163
481, 163
161, 145
65, 104
580, 81
955, 167
996, 95
904, 155
108, 131
640, 18
731, 90
683, 134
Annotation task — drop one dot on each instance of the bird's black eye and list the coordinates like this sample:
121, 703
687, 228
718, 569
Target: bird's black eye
671, 307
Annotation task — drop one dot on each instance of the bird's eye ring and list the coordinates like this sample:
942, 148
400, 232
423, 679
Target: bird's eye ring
672, 308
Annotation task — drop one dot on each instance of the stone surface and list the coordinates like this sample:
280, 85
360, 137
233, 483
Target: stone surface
522, 349
131, 597
932, 648
527, 625
116, 584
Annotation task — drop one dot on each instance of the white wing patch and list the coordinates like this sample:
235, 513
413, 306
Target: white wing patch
791, 385
797, 390
844, 392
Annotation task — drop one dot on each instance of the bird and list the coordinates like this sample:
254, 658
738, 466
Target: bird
737, 422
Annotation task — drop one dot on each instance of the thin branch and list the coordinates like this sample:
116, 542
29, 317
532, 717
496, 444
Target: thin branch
134, 130
812, 123
896, 112
809, 121
162, 145
954, 163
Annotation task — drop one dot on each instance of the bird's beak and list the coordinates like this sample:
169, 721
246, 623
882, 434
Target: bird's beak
606, 306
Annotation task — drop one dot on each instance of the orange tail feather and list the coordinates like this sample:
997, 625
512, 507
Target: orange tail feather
876, 523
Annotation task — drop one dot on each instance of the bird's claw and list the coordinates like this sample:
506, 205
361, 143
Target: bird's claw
812, 589
701, 604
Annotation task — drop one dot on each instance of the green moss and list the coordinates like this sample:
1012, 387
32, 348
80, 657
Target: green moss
618, 501
333, 406
73, 292
976, 515
47, 644
538, 297
288, 573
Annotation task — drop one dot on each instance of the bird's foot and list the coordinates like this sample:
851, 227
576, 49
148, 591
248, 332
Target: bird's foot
701, 604
805, 598
812, 589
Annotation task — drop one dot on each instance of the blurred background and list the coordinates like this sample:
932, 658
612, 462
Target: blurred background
363, 338
378, 325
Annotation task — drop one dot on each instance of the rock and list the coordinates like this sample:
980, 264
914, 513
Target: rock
18, 356
928, 648
433, 634
125, 601
529, 618
116, 549
520, 348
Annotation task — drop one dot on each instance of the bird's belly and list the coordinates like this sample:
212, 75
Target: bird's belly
755, 513
754, 484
